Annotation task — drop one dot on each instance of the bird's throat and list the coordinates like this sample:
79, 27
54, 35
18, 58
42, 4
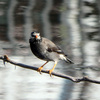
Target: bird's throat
34, 40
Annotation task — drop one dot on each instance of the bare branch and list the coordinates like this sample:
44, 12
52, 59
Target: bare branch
74, 79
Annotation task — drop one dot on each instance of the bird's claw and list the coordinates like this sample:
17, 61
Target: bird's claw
50, 73
5, 59
39, 70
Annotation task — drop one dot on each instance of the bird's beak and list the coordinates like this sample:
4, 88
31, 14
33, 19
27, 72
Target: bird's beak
36, 36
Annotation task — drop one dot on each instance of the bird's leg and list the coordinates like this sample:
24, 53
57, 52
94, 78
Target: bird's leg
40, 68
50, 71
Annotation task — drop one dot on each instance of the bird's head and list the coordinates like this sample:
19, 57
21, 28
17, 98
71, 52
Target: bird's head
35, 36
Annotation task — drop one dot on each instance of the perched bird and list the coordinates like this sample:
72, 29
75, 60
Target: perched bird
46, 50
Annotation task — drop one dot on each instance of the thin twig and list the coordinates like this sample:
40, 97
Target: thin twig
74, 79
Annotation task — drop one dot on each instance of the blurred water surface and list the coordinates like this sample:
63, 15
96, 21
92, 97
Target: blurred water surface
23, 84
74, 25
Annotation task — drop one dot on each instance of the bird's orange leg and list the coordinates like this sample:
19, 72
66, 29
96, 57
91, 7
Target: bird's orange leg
40, 68
50, 71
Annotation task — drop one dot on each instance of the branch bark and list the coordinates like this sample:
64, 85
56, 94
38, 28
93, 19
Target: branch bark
73, 79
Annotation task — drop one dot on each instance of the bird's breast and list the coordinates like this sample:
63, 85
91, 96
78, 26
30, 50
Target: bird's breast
37, 50
40, 51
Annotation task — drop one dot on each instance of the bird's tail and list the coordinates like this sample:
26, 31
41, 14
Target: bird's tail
68, 60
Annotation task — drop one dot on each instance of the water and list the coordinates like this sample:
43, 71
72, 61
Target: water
24, 84
73, 34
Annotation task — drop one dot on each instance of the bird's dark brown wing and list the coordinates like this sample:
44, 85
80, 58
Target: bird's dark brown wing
51, 47
55, 49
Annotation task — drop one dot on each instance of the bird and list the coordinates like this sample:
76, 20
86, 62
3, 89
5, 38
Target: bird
46, 50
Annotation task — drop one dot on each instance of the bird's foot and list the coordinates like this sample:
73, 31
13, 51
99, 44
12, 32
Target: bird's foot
6, 59
39, 69
50, 72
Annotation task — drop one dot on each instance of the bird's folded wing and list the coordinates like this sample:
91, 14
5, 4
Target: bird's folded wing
55, 49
